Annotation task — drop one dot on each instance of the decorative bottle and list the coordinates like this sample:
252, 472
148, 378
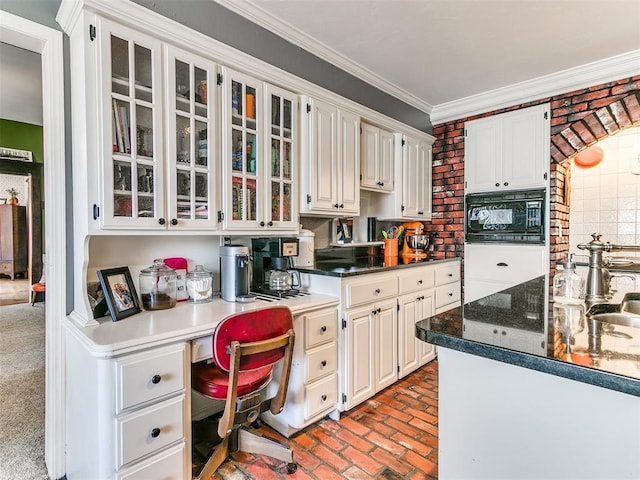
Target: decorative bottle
568, 286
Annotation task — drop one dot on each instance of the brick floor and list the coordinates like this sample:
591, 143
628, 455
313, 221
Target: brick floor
392, 436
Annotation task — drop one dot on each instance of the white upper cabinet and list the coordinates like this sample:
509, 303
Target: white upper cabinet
157, 171
330, 166
377, 159
259, 164
411, 198
509, 151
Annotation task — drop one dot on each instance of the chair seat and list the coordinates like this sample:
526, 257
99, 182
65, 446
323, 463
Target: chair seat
213, 382
38, 287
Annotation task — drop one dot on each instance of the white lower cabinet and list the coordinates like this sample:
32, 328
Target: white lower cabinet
313, 383
130, 414
377, 341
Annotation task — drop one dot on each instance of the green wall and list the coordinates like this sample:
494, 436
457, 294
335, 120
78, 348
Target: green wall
22, 136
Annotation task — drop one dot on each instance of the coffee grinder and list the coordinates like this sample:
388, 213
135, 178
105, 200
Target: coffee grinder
272, 265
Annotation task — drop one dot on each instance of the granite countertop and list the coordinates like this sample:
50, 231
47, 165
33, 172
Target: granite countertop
524, 327
363, 265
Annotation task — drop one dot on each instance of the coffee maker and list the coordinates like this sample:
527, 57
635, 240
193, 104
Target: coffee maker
272, 265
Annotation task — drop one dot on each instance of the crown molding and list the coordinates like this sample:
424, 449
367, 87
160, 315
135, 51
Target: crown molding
595, 73
288, 32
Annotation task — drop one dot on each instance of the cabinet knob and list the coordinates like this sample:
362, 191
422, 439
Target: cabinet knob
323, 328
450, 275
419, 282
261, 224
495, 331
498, 184
270, 223
421, 213
335, 205
377, 291
378, 310
323, 363
373, 312
161, 221
174, 221
155, 433
324, 397
506, 184
503, 332
342, 205
450, 294
156, 379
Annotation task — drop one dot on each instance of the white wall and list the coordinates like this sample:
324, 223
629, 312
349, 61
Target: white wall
606, 198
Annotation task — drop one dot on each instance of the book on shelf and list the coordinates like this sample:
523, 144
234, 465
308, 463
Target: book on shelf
125, 128
118, 145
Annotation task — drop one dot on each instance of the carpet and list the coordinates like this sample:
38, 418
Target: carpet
22, 389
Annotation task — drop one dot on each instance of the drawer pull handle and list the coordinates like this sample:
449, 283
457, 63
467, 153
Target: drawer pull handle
377, 291
323, 328
323, 363
156, 379
502, 264
324, 397
155, 433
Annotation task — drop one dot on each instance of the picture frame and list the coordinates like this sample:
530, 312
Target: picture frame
3, 201
119, 292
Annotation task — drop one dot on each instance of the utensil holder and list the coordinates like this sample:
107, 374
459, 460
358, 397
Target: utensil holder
391, 247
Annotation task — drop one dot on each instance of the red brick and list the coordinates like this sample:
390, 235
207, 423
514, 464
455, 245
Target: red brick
620, 114
355, 441
413, 443
364, 461
326, 473
562, 145
403, 427
633, 107
421, 462
627, 87
304, 440
392, 462
595, 126
262, 471
573, 139
327, 456
329, 440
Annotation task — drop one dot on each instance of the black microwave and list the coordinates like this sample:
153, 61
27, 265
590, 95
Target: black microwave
507, 217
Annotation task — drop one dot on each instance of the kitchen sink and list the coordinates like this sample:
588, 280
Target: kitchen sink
625, 313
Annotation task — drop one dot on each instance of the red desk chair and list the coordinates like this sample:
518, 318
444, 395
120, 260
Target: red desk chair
36, 288
245, 348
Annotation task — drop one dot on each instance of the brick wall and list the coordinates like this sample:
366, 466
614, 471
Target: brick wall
578, 119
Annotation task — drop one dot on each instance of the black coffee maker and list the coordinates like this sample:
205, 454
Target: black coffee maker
273, 266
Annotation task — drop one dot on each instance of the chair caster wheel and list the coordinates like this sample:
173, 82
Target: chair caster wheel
292, 468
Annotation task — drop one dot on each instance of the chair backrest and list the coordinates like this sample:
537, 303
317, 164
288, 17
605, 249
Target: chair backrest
247, 327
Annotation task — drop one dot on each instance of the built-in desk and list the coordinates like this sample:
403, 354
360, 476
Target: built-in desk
128, 406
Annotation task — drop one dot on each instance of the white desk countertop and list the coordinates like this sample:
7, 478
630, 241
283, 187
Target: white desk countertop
186, 321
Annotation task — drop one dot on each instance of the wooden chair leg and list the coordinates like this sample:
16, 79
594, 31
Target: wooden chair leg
218, 456
33, 298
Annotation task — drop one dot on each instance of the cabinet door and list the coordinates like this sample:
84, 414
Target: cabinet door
370, 154
525, 138
427, 351
191, 158
242, 148
482, 155
348, 187
359, 378
132, 160
386, 162
424, 181
322, 194
412, 352
385, 325
282, 160
411, 171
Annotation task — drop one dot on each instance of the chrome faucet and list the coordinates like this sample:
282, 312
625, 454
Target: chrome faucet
599, 278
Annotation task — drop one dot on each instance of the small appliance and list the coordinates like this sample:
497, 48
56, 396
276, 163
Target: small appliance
415, 242
235, 273
272, 265
306, 250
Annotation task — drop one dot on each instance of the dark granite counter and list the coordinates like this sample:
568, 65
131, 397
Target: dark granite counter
348, 265
511, 327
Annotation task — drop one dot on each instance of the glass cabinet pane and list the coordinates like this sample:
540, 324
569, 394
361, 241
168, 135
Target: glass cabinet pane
144, 73
182, 86
183, 139
281, 151
119, 66
202, 153
144, 131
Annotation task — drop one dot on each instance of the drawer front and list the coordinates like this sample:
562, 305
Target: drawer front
416, 279
6, 267
320, 327
506, 263
378, 288
447, 273
321, 396
447, 294
145, 376
321, 361
167, 465
149, 430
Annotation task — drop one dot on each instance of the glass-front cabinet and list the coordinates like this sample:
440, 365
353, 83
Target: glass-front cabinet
258, 155
159, 171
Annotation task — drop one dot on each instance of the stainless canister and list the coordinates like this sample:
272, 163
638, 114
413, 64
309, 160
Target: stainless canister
235, 272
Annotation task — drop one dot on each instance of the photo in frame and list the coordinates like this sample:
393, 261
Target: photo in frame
119, 292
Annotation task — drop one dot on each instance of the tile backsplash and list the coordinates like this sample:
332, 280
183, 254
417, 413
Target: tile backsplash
606, 198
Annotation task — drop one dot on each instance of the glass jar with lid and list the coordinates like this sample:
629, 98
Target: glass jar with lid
158, 286
200, 285
568, 286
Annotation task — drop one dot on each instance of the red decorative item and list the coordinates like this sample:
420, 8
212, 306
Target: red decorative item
590, 157
179, 264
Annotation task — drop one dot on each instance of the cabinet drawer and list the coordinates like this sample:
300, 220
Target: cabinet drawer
321, 396
145, 376
148, 430
505, 263
321, 361
320, 327
166, 465
447, 294
378, 288
447, 273
416, 279
6, 267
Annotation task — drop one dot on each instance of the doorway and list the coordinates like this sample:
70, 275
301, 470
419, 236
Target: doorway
43, 40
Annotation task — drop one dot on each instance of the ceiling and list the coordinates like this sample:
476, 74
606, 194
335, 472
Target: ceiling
435, 52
